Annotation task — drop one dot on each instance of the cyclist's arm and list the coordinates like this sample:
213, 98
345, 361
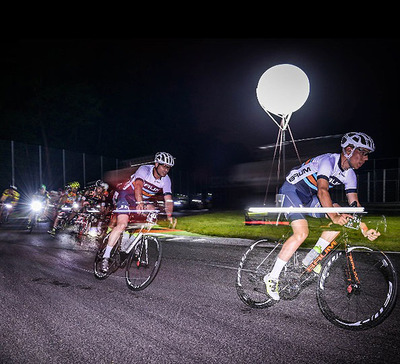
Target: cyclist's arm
326, 201
169, 208
371, 234
169, 205
138, 183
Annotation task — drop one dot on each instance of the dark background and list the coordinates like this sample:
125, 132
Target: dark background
192, 97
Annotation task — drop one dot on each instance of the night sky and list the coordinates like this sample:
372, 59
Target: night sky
194, 98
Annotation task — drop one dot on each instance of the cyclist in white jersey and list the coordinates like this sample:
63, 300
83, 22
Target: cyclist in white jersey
308, 186
144, 184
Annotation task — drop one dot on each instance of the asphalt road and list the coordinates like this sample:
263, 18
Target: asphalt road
53, 310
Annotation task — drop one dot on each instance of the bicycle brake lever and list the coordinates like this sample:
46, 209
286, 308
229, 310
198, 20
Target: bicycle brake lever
382, 222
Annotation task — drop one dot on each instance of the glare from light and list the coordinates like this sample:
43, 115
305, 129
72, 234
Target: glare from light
36, 205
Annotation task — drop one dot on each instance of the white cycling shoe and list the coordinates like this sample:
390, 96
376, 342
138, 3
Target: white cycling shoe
272, 286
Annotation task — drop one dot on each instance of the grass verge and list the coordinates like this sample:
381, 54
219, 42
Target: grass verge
231, 224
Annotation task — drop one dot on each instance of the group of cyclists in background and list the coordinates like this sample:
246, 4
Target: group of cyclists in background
67, 203
71, 205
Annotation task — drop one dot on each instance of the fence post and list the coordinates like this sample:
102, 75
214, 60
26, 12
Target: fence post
398, 179
84, 169
40, 165
63, 158
12, 163
384, 185
374, 182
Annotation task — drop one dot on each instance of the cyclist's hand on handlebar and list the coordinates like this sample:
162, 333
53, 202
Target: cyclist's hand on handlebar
371, 234
140, 206
172, 221
341, 219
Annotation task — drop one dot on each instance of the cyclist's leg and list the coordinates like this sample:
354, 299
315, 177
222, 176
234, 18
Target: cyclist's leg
298, 221
119, 228
299, 227
327, 236
300, 233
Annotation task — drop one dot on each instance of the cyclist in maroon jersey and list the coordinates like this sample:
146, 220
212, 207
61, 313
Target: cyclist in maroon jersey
137, 192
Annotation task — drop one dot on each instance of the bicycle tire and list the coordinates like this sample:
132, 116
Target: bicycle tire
361, 307
143, 264
256, 262
114, 258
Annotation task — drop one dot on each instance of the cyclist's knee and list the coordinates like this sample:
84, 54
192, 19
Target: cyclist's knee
300, 236
300, 230
121, 226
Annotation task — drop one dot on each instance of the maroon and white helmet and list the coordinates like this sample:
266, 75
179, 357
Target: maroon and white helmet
164, 158
358, 140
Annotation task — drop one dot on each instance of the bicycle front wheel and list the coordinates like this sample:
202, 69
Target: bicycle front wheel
143, 263
357, 291
83, 229
256, 262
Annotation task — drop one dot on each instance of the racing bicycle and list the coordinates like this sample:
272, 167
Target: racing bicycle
90, 217
6, 209
37, 208
139, 254
356, 287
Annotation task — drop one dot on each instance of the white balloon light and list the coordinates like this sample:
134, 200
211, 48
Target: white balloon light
283, 89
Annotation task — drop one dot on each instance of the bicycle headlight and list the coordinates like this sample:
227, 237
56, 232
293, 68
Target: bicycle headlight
36, 206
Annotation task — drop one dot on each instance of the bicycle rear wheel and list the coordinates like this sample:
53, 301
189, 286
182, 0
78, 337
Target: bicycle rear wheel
256, 262
352, 305
143, 263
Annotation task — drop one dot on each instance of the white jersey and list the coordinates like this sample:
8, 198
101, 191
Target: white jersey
151, 185
325, 166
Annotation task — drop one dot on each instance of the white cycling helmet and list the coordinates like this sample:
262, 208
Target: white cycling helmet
358, 140
100, 183
164, 158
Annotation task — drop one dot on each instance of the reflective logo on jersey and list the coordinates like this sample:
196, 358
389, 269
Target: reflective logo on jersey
326, 166
305, 173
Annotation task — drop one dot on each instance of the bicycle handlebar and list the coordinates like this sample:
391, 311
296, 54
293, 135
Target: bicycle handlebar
137, 211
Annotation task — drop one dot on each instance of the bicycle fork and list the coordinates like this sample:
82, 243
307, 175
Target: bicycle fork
353, 282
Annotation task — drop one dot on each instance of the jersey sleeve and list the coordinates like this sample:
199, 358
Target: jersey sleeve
350, 184
325, 168
141, 173
167, 189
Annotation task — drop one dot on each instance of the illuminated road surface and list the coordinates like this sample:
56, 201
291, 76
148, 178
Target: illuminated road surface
53, 310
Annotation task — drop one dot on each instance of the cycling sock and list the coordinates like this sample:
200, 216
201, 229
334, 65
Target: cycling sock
322, 243
107, 253
278, 266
